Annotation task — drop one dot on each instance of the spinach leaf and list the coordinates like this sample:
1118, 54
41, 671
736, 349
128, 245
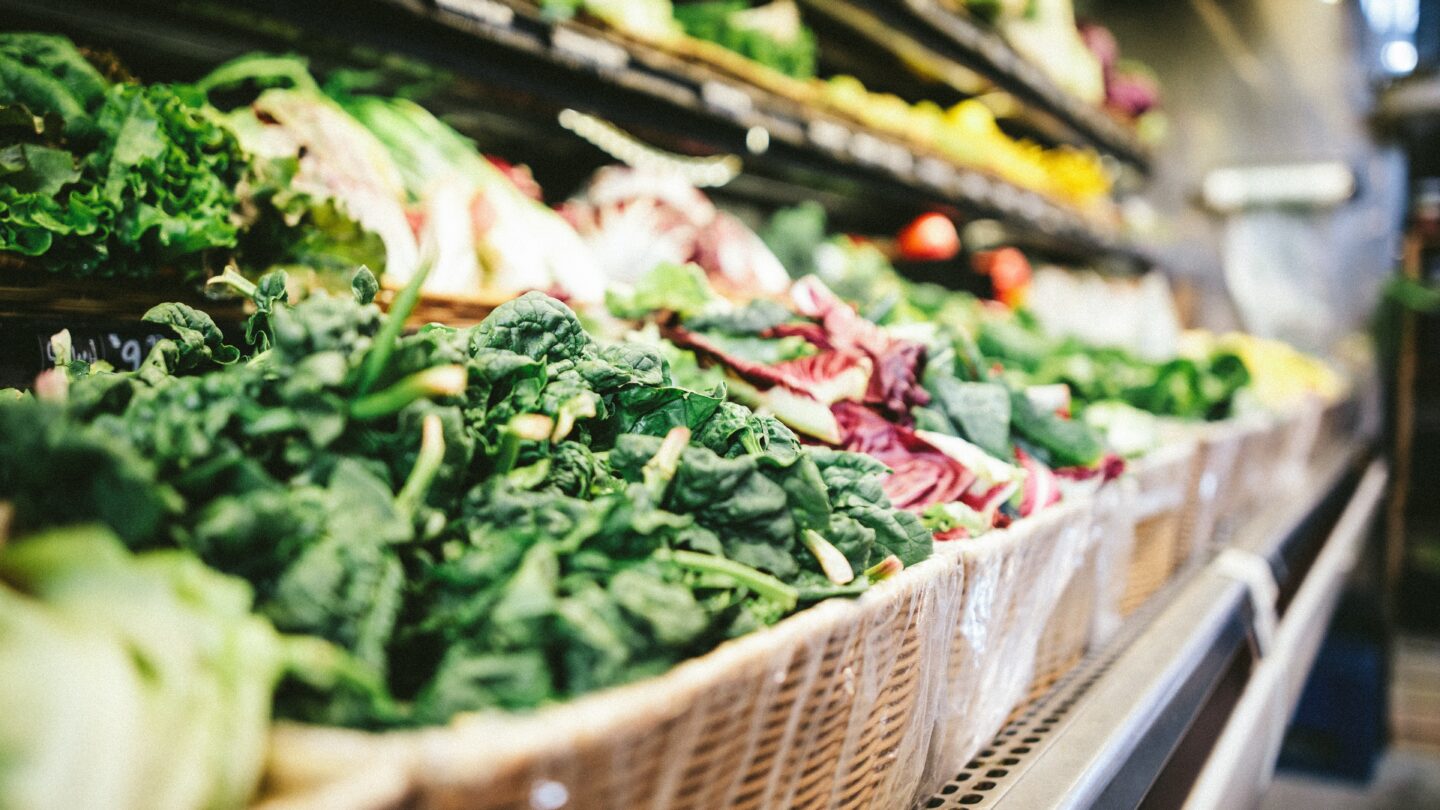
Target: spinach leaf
1057, 442
977, 412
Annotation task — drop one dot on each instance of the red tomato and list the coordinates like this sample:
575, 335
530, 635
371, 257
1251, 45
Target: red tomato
930, 237
1009, 273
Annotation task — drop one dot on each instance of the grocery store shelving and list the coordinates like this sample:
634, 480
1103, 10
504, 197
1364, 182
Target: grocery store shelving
544, 65
1186, 705
925, 25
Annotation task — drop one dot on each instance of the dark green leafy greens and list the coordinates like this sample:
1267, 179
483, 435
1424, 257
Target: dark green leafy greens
500, 516
771, 34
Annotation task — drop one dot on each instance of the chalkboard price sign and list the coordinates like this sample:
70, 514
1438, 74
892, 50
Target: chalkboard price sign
25, 348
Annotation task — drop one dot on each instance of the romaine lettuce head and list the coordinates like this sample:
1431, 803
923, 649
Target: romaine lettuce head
129, 680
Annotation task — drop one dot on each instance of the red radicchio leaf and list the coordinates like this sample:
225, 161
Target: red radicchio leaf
921, 475
813, 374
737, 262
1042, 488
812, 333
519, 175
988, 503
803, 375
895, 385
1111, 466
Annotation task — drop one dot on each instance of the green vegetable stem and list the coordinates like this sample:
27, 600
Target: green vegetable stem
441, 381
761, 583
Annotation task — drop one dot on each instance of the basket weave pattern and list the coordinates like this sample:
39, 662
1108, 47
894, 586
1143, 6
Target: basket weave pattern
824, 710
1165, 487
847, 705
1013, 580
1067, 634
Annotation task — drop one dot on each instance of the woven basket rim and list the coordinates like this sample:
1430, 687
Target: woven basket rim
1018, 532
484, 743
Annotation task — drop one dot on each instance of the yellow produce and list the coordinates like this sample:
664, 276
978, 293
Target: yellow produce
1281, 376
969, 135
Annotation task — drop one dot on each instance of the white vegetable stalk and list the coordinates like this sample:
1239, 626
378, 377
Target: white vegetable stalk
662, 466
886, 568
837, 569
535, 427
580, 406
427, 465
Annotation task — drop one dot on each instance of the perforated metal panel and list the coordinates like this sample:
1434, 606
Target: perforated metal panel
985, 780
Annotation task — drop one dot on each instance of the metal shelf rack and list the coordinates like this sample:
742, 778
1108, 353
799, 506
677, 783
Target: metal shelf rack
1187, 704
541, 66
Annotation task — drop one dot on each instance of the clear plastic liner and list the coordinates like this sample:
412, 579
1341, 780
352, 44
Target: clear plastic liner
1302, 436
1088, 610
1273, 455
1013, 580
1215, 482
1113, 524
831, 708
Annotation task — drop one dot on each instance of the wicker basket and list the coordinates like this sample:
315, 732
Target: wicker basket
1164, 487
1114, 526
1088, 610
1012, 579
1339, 417
850, 704
831, 708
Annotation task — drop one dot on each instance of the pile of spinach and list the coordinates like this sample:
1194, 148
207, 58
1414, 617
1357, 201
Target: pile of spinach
1201, 387
108, 179
499, 516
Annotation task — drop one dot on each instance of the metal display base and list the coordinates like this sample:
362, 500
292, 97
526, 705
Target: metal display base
1188, 703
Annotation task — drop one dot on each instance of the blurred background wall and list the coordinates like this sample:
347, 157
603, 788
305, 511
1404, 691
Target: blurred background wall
1263, 82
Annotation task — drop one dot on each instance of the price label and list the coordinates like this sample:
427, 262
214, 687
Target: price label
485, 11
867, 148
975, 186
828, 135
121, 351
727, 98
589, 50
936, 173
25, 348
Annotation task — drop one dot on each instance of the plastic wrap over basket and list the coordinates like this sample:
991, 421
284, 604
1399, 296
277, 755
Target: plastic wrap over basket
1213, 482
1340, 418
1013, 579
1113, 524
1301, 434
1164, 487
1066, 633
1258, 465
1088, 609
831, 708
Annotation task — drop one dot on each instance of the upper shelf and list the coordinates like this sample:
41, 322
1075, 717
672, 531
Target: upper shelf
984, 50
543, 65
